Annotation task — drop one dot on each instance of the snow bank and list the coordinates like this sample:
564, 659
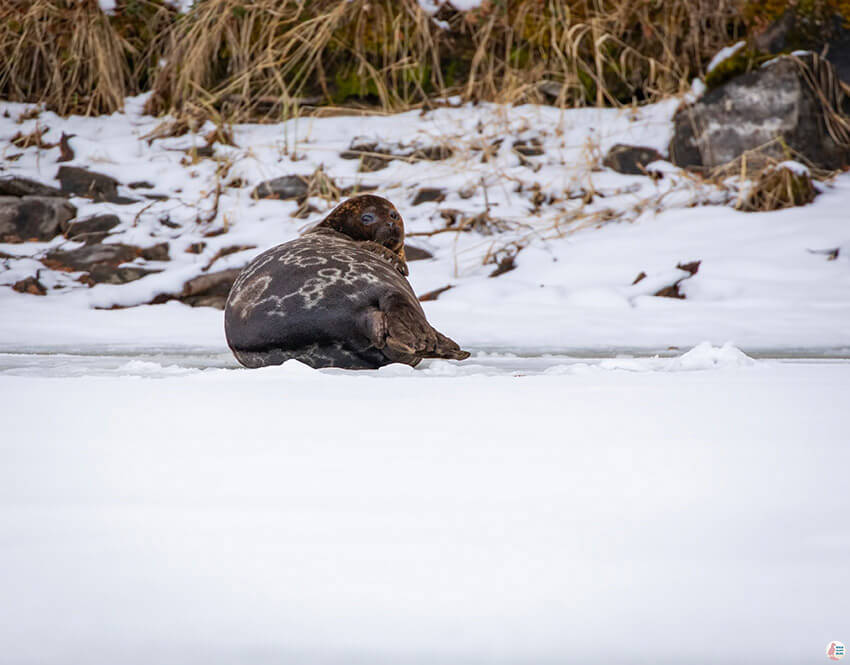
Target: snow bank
765, 280
292, 516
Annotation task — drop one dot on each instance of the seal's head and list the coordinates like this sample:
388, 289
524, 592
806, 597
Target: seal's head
368, 217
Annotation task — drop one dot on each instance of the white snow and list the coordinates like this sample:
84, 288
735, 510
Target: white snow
765, 280
724, 54
431, 6
590, 514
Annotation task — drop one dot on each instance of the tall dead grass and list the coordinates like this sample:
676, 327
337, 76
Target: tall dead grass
65, 54
73, 58
267, 58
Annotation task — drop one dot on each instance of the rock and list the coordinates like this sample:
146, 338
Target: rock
375, 155
103, 274
287, 187
158, 252
33, 217
30, 285
100, 261
89, 184
140, 184
92, 229
529, 148
793, 30
13, 186
416, 253
372, 157
774, 38
84, 258
552, 89
763, 112
427, 194
630, 159
196, 248
210, 289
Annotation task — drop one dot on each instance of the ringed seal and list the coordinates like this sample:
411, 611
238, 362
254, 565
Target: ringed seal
335, 297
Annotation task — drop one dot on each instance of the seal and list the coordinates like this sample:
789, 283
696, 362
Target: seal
335, 297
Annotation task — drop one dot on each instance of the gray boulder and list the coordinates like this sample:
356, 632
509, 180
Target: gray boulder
764, 112
33, 217
14, 186
97, 186
287, 187
92, 229
428, 194
630, 159
30, 285
210, 289
102, 262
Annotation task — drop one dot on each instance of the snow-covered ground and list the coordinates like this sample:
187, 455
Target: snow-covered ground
765, 280
689, 510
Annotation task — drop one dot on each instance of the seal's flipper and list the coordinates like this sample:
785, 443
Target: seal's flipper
448, 348
408, 331
402, 332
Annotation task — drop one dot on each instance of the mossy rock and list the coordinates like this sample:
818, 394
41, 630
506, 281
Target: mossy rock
741, 62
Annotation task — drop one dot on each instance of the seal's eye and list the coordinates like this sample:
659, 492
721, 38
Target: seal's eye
393, 215
367, 218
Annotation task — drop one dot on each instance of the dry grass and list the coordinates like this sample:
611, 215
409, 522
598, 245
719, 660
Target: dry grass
267, 59
263, 59
65, 54
777, 187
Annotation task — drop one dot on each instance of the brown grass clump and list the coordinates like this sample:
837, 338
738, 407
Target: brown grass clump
64, 54
262, 59
778, 187
73, 58
266, 59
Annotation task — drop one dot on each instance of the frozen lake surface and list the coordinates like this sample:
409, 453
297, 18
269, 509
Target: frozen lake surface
157, 363
160, 508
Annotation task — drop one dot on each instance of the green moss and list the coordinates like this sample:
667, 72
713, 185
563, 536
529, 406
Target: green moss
349, 84
519, 56
418, 77
741, 62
